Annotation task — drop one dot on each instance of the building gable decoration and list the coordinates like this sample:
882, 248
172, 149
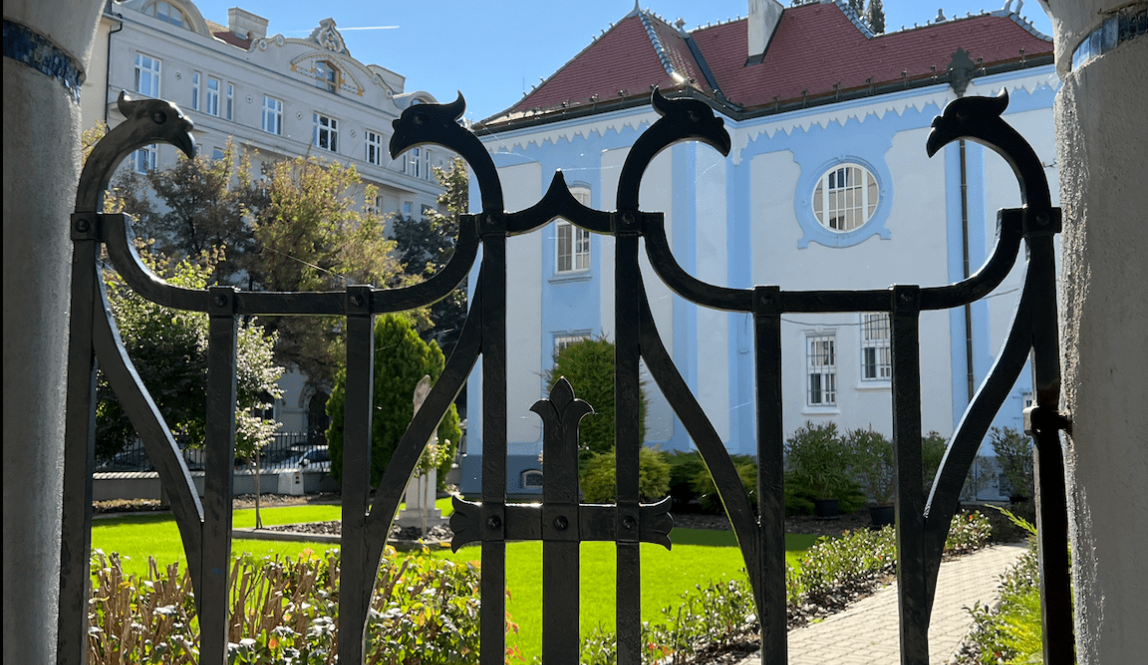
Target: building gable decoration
328, 37
348, 82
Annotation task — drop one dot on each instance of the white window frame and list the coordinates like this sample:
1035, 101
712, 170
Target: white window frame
876, 353
326, 134
531, 473
148, 72
563, 340
273, 115
229, 104
195, 91
144, 159
427, 164
572, 243
211, 99
821, 369
845, 197
413, 161
374, 147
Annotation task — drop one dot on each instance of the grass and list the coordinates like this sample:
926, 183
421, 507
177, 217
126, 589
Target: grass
698, 556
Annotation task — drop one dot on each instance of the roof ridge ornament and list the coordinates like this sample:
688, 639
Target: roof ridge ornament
328, 37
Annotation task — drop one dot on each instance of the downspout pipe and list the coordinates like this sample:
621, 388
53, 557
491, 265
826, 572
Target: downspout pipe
108, 56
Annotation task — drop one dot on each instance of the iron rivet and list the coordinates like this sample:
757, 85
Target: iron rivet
83, 226
561, 523
906, 296
159, 117
693, 116
357, 300
962, 116
628, 217
421, 119
220, 301
493, 522
629, 523
1042, 219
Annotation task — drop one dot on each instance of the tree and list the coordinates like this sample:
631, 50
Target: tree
589, 367
425, 246
875, 16
310, 235
298, 229
200, 208
401, 360
169, 350
1014, 455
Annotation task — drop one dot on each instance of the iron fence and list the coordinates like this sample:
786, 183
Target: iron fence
561, 522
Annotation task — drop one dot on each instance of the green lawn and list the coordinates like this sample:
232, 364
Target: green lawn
697, 557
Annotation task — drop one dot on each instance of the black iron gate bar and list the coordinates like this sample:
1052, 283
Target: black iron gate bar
561, 522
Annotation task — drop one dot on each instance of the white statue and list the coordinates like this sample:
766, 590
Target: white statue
420, 509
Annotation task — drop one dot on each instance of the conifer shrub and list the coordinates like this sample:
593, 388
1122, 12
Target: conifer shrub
402, 359
589, 367
599, 482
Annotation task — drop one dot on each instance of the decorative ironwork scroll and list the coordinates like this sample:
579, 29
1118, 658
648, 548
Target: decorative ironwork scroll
561, 522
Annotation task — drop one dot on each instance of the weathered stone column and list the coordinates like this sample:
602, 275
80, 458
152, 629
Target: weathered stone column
1102, 154
46, 49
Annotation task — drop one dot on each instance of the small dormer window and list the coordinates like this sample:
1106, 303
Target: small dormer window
166, 12
326, 76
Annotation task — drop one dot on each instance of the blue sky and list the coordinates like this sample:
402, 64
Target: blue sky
494, 51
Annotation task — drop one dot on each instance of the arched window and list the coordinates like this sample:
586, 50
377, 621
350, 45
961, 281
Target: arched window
317, 418
531, 478
845, 197
326, 76
167, 12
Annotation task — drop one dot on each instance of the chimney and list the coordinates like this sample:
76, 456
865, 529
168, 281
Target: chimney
245, 24
764, 16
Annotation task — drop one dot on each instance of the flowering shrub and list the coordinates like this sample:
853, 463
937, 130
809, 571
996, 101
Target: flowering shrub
721, 613
285, 611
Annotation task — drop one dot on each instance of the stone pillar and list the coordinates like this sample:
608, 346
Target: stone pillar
1102, 155
47, 47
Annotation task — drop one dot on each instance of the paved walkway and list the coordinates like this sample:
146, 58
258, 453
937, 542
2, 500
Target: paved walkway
867, 632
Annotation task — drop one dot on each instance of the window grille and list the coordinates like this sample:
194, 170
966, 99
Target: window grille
845, 198
821, 360
875, 360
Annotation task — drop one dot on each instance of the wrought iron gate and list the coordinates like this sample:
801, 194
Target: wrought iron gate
560, 521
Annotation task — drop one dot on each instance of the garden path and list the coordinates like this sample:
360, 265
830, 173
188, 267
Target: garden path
867, 632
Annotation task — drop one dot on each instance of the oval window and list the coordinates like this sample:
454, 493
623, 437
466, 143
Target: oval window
845, 197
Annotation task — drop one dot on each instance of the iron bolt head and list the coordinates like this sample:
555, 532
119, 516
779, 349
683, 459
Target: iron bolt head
420, 119
159, 117
220, 301
628, 523
561, 522
357, 300
83, 226
493, 522
906, 296
1042, 219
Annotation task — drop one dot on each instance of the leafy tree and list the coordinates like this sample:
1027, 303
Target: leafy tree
599, 483
201, 209
875, 16
299, 229
309, 236
932, 454
169, 350
425, 246
589, 367
401, 360
1014, 454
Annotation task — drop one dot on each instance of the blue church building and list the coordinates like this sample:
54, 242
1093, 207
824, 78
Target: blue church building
827, 186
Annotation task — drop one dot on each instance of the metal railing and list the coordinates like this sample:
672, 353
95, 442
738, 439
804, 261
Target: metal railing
561, 522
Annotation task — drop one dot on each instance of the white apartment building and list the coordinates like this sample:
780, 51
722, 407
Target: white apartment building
283, 97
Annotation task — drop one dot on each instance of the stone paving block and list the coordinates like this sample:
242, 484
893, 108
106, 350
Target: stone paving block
868, 632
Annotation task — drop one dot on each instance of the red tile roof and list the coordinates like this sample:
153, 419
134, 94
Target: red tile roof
233, 39
814, 47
